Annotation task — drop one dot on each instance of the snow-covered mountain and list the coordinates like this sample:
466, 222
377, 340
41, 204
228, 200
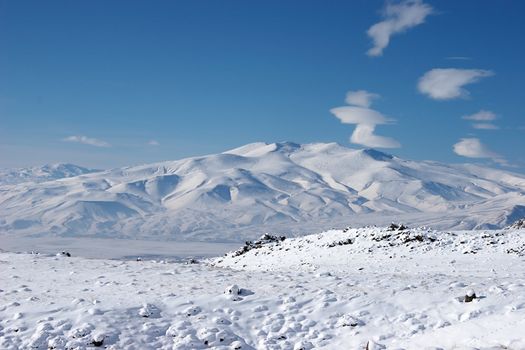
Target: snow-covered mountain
40, 174
262, 187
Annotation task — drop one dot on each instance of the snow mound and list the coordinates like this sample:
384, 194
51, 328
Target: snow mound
340, 247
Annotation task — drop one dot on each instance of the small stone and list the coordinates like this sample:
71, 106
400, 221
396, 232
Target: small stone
236, 345
98, 339
233, 290
470, 296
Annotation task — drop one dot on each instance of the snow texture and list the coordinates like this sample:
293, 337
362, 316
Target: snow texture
366, 288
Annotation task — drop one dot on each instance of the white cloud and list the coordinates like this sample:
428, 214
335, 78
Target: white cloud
447, 83
484, 118
359, 115
364, 135
154, 143
397, 19
481, 116
473, 148
485, 126
360, 98
366, 120
87, 141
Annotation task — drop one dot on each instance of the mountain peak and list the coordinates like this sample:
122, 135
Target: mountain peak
258, 149
377, 155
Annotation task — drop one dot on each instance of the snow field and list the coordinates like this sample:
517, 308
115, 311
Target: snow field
344, 289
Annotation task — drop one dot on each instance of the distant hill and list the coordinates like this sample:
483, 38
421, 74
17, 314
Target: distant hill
40, 174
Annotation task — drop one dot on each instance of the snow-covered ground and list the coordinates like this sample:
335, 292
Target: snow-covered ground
341, 289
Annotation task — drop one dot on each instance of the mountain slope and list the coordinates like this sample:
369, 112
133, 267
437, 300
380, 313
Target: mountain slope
263, 187
40, 174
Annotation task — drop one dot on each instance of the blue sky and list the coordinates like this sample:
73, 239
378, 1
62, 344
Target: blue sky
110, 83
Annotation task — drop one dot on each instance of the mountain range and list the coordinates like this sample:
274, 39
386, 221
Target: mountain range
41, 174
260, 187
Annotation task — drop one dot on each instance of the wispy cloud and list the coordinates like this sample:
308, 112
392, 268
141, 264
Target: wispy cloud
447, 83
365, 119
398, 17
473, 148
87, 141
484, 118
485, 126
153, 143
481, 116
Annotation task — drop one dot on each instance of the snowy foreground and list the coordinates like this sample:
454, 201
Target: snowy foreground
343, 289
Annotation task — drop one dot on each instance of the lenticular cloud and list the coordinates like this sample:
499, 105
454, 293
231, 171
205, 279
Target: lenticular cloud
365, 119
447, 83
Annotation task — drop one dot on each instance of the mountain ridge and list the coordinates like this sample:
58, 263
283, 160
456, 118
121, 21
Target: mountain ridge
259, 187
46, 172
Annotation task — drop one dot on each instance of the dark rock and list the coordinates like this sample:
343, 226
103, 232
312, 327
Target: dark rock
263, 240
520, 224
396, 227
341, 243
97, 343
518, 250
469, 297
